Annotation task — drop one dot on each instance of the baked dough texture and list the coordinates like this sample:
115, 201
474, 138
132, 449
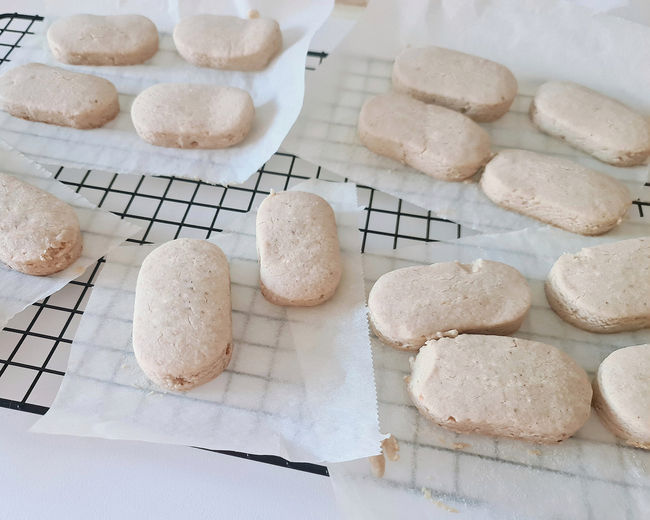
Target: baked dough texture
298, 249
181, 115
409, 306
228, 42
481, 89
182, 326
87, 39
39, 233
603, 288
500, 386
38, 92
556, 191
434, 140
592, 122
622, 394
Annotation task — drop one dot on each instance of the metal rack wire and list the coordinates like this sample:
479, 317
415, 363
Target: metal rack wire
34, 346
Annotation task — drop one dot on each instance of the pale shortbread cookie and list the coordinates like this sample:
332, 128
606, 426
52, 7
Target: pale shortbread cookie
39, 233
556, 191
622, 394
592, 122
434, 140
182, 326
298, 249
181, 115
228, 42
410, 306
604, 288
87, 39
38, 92
481, 89
500, 386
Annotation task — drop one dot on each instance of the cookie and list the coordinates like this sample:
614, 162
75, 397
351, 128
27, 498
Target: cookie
500, 386
556, 191
87, 39
592, 122
298, 249
603, 288
622, 394
38, 92
182, 327
434, 140
481, 89
178, 115
228, 42
409, 306
39, 233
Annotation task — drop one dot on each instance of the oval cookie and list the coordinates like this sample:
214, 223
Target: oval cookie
87, 39
622, 394
298, 249
592, 122
479, 88
500, 386
556, 191
228, 42
434, 140
193, 116
603, 288
410, 306
38, 92
182, 328
39, 233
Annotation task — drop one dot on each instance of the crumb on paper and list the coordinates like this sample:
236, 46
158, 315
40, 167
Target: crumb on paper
253, 13
427, 494
461, 445
535, 452
377, 465
452, 333
390, 447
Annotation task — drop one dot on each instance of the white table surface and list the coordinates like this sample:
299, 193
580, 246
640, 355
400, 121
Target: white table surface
51, 476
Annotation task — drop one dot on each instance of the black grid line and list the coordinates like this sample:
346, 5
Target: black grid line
132, 198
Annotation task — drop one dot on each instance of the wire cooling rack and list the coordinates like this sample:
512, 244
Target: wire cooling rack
35, 345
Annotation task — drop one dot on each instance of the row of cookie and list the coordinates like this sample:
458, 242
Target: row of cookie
170, 115
178, 115
182, 334
205, 40
427, 124
182, 331
182, 327
470, 377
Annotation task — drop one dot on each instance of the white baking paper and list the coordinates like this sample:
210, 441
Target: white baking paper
538, 41
101, 232
277, 93
589, 476
300, 384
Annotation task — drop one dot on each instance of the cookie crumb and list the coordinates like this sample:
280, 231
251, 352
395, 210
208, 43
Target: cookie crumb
253, 13
390, 447
461, 445
439, 503
377, 465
